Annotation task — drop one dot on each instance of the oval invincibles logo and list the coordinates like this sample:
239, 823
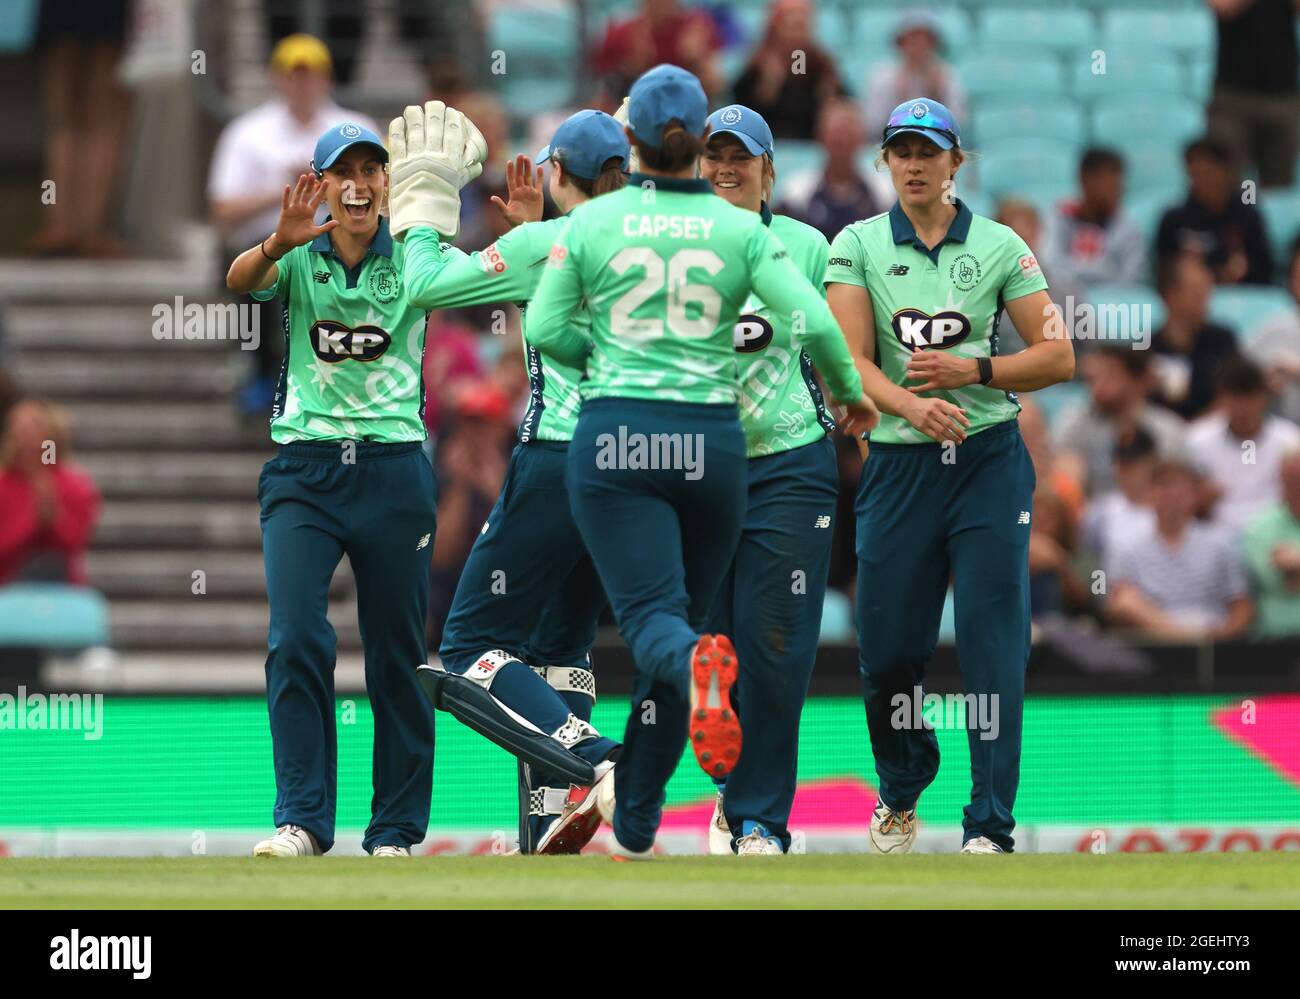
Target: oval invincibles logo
917, 330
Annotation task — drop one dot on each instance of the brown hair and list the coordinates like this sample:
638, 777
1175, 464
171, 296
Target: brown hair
679, 151
611, 178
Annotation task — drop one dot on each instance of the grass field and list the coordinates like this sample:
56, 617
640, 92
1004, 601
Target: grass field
1233, 880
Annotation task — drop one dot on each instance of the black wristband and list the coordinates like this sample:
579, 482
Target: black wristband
262, 246
985, 365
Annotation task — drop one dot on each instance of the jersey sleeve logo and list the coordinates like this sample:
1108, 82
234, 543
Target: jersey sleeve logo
917, 330
556, 257
333, 342
491, 261
1029, 265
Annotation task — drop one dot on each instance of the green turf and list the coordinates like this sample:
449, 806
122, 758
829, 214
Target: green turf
1259, 880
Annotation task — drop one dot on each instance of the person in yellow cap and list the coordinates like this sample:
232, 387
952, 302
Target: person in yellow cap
257, 154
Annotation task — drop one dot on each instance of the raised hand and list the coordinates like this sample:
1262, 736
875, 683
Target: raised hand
298, 206
524, 189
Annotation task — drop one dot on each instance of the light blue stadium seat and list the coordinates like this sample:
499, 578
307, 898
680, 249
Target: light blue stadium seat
1120, 312
792, 157
527, 94
1281, 210
1152, 165
1008, 71
531, 33
1131, 68
948, 621
18, 24
1117, 120
1045, 118
52, 616
1020, 164
857, 67
1056, 29
1188, 30
874, 27
837, 619
1044, 195
1146, 207
1056, 399
754, 21
1244, 306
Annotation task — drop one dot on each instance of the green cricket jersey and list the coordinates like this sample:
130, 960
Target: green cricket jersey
439, 276
353, 360
665, 267
781, 404
948, 298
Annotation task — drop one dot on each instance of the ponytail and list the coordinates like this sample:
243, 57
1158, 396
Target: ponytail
678, 152
611, 178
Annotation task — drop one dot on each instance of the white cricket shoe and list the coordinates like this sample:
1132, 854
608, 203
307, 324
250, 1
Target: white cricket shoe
719, 831
581, 816
758, 844
981, 844
891, 831
617, 851
289, 841
605, 800
388, 850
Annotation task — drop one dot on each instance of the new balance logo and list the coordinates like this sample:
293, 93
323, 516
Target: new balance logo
897, 270
1024, 517
424, 542
321, 277
823, 521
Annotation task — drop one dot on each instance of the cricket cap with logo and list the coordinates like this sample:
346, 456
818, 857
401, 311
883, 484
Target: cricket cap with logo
745, 124
663, 94
585, 141
338, 140
922, 116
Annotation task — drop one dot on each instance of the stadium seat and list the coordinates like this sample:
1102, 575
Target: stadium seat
948, 621
873, 28
1244, 306
527, 95
1056, 399
1188, 31
1152, 165
857, 67
1011, 71
791, 157
52, 616
1145, 207
1116, 120
1281, 210
532, 33
1021, 164
1060, 30
1046, 118
837, 619
17, 24
1118, 311
1130, 68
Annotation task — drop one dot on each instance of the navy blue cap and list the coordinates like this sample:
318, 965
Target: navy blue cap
585, 141
745, 124
661, 95
341, 138
923, 116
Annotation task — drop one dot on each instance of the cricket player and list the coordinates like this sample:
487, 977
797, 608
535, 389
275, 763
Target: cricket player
947, 489
529, 598
656, 469
349, 477
771, 600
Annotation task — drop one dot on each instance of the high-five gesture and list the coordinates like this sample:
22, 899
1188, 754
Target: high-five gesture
297, 223
524, 189
433, 152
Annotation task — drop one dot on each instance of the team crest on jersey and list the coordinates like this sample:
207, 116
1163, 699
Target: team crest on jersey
384, 284
333, 342
917, 330
965, 272
752, 334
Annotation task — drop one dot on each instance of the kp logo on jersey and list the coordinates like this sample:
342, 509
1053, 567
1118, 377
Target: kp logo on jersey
917, 330
752, 334
334, 342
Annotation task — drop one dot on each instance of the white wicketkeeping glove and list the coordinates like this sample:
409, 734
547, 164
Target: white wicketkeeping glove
633, 160
433, 151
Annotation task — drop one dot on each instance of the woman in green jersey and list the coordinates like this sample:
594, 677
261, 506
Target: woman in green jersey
656, 470
947, 489
771, 600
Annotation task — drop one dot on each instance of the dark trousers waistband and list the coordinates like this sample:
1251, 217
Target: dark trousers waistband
330, 450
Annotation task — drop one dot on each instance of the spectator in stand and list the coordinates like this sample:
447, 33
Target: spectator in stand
471, 464
451, 360
1189, 348
86, 111
789, 77
1054, 527
1181, 580
51, 505
1090, 240
843, 195
481, 223
1256, 103
918, 72
258, 154
1275, 345
664, 31
1215, 222
1119, 381
1238, 448
1271, 548
1115, 518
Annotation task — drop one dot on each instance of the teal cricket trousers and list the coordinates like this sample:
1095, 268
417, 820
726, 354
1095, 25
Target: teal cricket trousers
920, 520
380, 510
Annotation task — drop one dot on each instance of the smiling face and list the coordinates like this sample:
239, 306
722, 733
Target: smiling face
919, 169
355, 187
736, 175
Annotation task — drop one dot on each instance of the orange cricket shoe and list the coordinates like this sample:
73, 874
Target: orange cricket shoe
714, 726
